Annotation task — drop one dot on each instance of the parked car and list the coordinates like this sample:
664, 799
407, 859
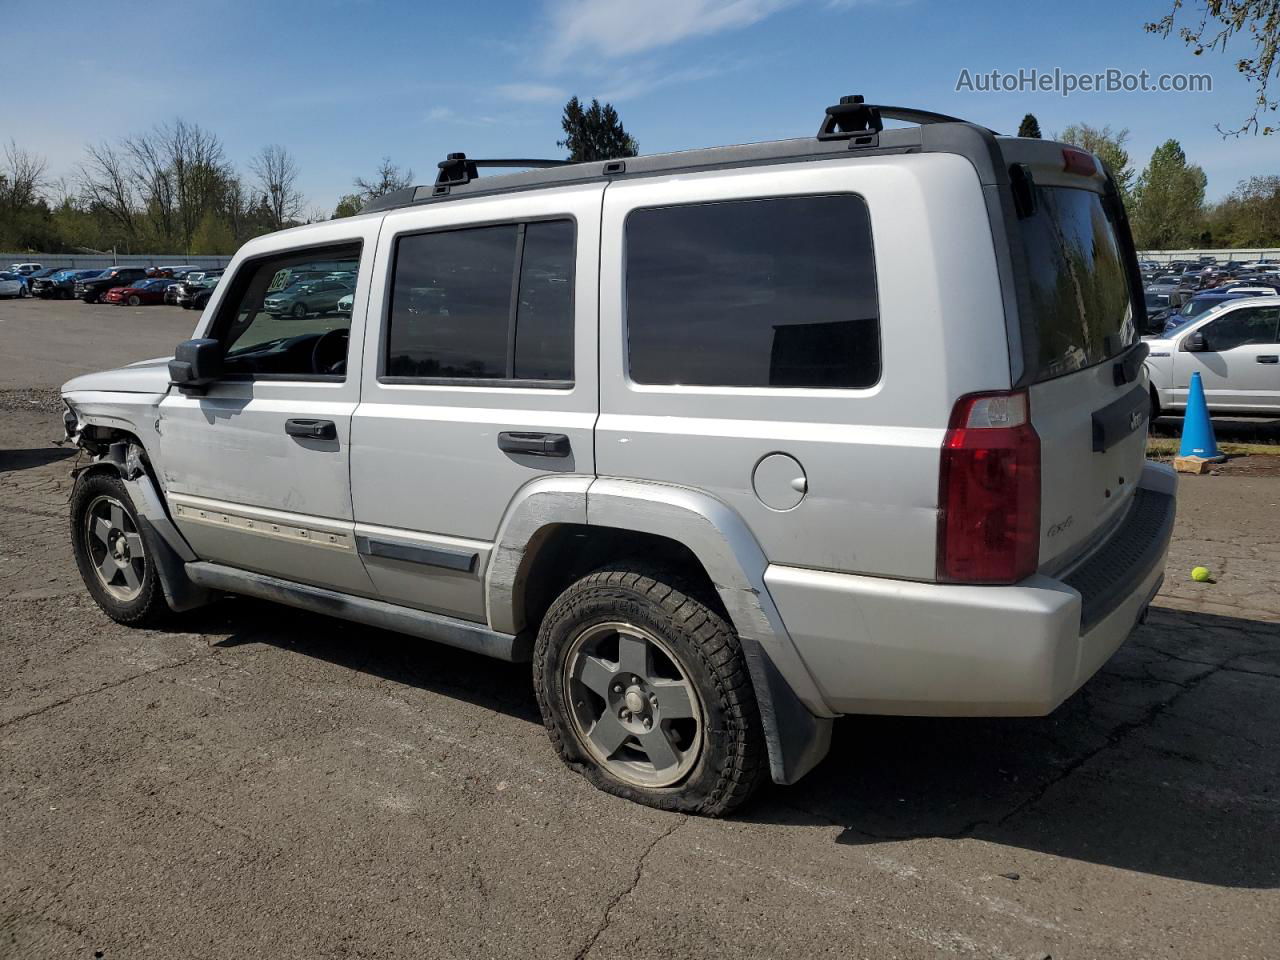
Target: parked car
13, 285
200, 299
25, 269
297, 300
1166, 280
188, 291
92, 289
346, 303
140, 292
60, 284
42, 274
620, 427
1236, 351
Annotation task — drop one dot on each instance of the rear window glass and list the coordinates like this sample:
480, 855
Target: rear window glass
753, 293
1078, 310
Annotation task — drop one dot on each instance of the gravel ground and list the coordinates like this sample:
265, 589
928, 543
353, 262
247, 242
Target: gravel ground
259, 782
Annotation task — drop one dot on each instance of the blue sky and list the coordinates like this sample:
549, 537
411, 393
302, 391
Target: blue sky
340, 83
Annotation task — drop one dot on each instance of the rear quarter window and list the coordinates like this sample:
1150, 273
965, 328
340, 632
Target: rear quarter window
753, 293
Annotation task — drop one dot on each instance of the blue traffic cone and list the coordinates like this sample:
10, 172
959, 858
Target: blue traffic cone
1197, 429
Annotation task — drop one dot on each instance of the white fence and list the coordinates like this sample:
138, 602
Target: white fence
88, 261
1222, 256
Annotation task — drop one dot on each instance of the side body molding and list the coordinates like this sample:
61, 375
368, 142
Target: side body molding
797, 723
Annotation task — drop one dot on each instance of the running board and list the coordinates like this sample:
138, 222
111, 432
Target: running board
374, 613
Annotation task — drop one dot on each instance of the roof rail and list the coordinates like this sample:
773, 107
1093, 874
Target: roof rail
853, 118
456, 169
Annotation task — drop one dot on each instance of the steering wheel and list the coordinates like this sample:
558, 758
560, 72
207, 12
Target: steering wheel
329, 355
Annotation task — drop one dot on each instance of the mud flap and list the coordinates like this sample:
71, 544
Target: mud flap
796, 739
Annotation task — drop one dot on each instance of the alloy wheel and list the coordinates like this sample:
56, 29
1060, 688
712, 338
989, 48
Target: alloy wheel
632, 705
115, 548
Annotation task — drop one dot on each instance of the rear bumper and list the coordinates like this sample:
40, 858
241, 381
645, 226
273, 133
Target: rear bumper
901, 647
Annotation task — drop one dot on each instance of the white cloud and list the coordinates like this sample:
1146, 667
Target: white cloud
439, 114
530, 92
610, 28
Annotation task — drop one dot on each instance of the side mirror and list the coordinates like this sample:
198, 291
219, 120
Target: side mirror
196, 364
1196, 343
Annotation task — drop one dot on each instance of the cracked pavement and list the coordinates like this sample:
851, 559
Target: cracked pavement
260, 782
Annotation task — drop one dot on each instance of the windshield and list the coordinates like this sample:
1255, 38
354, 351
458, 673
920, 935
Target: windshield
1077, 311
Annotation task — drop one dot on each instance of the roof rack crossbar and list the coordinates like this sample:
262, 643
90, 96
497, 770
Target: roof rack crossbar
853, 117
457, 168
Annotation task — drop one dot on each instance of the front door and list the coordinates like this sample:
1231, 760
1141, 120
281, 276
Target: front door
479, 378
1240, 365
257, 469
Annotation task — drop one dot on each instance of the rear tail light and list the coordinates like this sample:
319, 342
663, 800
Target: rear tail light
989, 491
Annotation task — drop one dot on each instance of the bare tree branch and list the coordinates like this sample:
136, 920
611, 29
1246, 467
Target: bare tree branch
277, 174
1219, 22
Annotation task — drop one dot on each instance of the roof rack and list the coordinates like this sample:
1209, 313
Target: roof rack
853, 118
852, 124
456, 169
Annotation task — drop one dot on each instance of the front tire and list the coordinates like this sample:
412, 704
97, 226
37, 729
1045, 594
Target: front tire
135, 301
299, 311
106, 539
644, 691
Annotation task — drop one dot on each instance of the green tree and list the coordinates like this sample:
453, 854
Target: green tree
1217, 22
1109, 146
348, 206
1168, 207
1249, 216
1029, 127
595, 132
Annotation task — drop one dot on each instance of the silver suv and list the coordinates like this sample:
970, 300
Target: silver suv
727, 443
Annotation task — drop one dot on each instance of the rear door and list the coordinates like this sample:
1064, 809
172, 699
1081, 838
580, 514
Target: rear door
479, 378
1077, 323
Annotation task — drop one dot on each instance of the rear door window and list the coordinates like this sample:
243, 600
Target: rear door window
484, 303
753, 293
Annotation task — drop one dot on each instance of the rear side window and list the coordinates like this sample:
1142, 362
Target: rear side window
1077, 310
484, 303
753, 293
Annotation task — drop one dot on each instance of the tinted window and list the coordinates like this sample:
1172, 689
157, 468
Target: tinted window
753, 293
1243, 327
453, 314
544, 319
1076, 310
265, 332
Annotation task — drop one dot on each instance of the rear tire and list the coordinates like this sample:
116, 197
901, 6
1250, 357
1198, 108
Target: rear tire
644, 691
113, 561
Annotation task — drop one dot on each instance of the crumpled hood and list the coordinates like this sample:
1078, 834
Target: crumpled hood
145, 376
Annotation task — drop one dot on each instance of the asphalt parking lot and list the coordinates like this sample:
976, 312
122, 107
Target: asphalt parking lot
266, 783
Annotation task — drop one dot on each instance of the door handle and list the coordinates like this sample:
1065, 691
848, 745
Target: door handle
1269, 358
534, 444
312, 429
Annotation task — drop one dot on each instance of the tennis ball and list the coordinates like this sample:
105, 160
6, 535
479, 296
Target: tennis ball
1200, 574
